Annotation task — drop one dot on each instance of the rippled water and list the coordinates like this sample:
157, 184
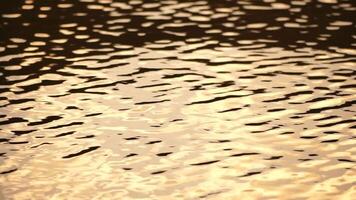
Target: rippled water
169, 99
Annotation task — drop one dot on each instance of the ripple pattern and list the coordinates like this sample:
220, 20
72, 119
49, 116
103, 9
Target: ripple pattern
105, 99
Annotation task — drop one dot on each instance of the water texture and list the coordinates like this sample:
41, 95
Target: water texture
211, 99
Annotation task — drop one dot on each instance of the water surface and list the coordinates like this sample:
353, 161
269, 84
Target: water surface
168, 99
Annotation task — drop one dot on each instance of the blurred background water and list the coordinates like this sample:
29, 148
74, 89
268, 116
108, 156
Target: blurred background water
104, 99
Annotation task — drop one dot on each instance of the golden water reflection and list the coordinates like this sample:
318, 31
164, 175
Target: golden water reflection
166, 103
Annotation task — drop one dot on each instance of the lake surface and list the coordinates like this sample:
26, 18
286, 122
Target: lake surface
169, 99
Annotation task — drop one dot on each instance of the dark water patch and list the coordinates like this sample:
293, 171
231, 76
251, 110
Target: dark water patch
46, 120
230, 110
130, 155
308, 137
347, 121
287, 133
81, 152
318, 99
85, 137
13, 120
266, 130
154, 85
22, 132
171, 76
243, 154
257, 123
318, 110
288, 96
247, 77
37, 86
331, 132
66, 125
217, 99
151, 102
132, 138
8, 171
158, 172
321, 88
176, 120
4, 140
317, 77
274, 158
17, 101
92, 114
163, 154
250, 174
209, 194
276, 109
205, 163
154, 142
220, 141
84, 89
64, 134
44, 143
329, 141
305, 159
141, 70
18, 142
72, 108
345, 160
326, 118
